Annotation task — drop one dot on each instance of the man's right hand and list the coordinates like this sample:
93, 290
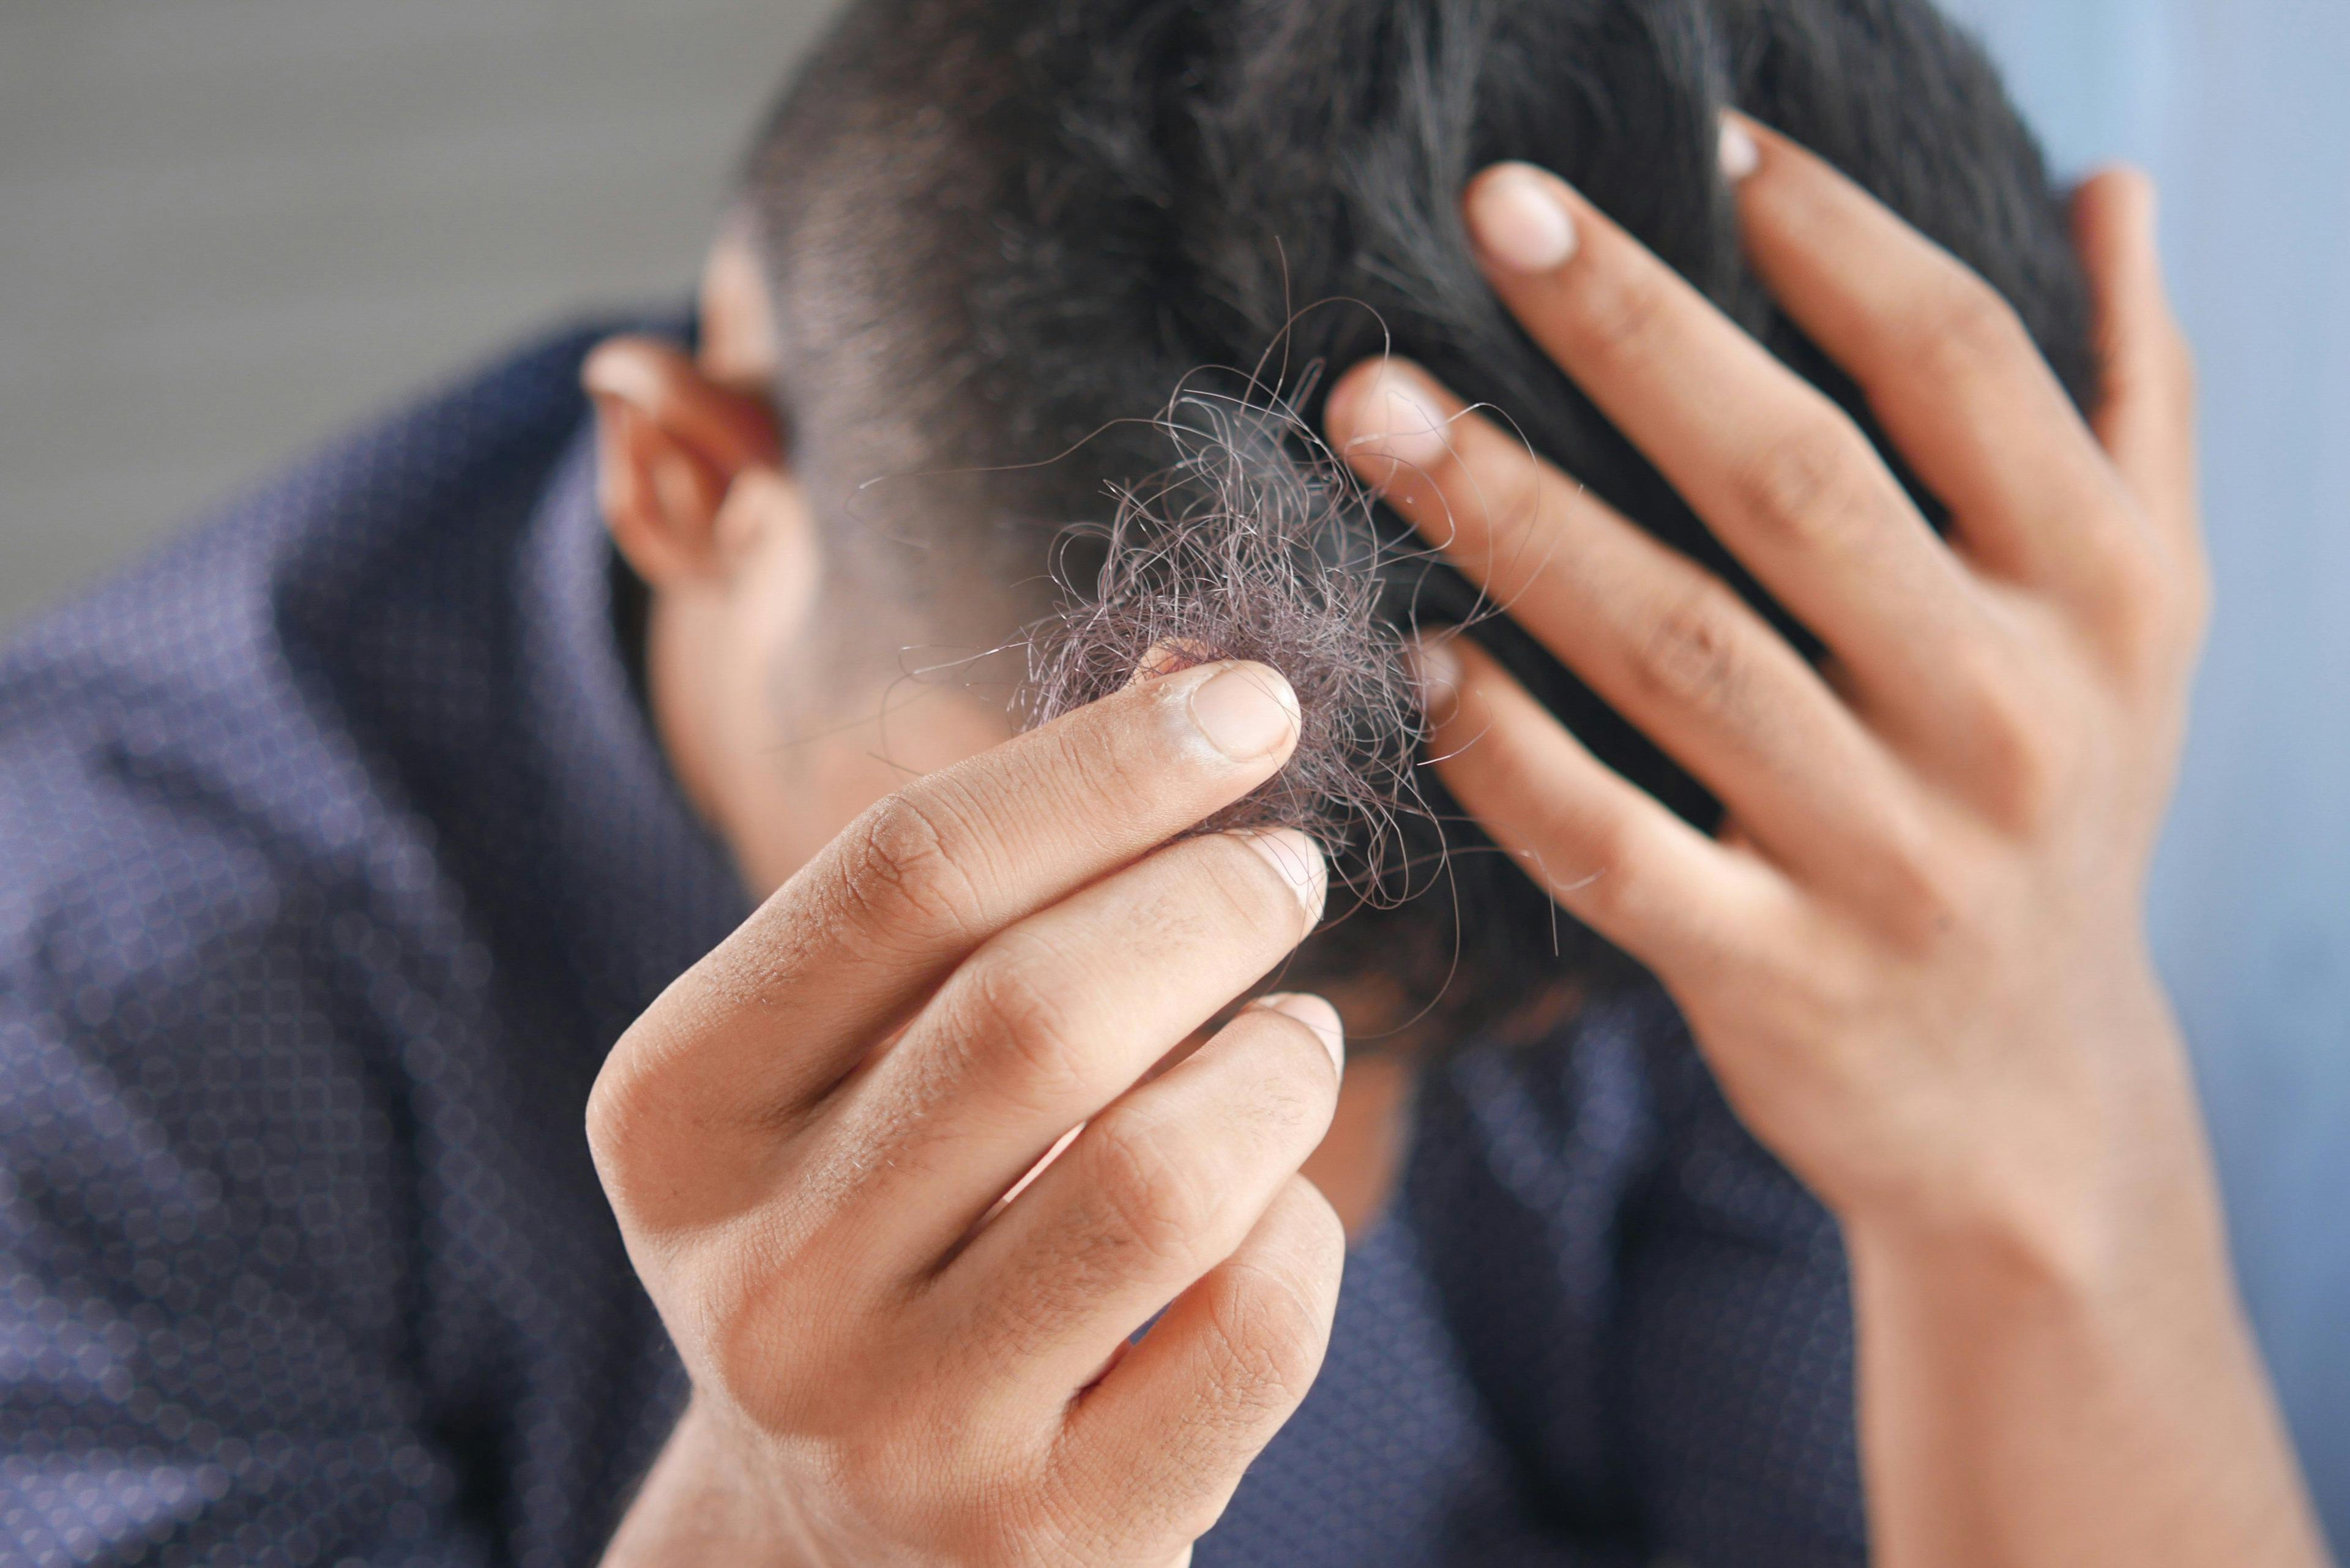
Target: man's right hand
809, 1137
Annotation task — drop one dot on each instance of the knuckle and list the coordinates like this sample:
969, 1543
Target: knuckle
1690, 655
1265, 1336
1579, 856
1159, 1206
1971, 332
2142, 600
1918, 883
1019, 1017
2029, 778
1510, 493
2152, 597
630, 1123
1598, 874
1824, 993
615, 1113
741, 1323
2022, 757
1620, 312
1810, 488
908, 867
745, 1362
1094, 765
1521, 494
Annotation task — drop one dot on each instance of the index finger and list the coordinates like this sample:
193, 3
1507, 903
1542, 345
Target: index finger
1784, 478
792, 1001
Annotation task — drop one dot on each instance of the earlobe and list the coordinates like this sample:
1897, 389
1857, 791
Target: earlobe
670, 446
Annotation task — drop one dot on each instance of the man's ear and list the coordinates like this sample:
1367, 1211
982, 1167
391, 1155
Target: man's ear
670, 444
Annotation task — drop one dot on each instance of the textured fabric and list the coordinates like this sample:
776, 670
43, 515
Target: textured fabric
334, 852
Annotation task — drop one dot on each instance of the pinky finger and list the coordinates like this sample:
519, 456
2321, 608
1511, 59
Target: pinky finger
1165, 1437
2146, 418
1609, 853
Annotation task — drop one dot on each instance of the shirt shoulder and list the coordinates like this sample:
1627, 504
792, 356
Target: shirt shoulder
206, 737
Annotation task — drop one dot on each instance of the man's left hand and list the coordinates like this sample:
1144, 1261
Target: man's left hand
1914, 954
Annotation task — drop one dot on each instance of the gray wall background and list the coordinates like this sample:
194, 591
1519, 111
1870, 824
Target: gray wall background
229, 226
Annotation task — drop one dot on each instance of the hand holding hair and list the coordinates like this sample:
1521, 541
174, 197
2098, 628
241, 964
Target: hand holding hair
1914, 954
810, 1141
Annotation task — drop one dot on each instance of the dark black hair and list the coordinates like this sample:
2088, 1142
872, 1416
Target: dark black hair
1001, 233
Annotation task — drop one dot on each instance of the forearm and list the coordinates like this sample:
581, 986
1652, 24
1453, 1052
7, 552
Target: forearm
2027, 1404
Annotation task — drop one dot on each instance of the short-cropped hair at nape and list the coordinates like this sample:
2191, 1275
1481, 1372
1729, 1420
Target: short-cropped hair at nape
1090, 267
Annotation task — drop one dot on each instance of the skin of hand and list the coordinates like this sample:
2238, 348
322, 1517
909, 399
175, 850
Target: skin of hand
810, 1141
1915, 954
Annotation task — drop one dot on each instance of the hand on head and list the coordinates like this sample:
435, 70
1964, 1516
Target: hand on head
1914, 954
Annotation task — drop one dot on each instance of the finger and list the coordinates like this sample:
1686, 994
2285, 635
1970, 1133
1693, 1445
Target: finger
1665, 642
1946, 363
1048, 1023
1609, 853
1174, 1425
791, 1000
2146, 413
1155, 1191
1784, 479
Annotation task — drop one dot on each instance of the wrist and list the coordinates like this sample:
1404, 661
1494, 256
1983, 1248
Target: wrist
2004, 1387
699, 1504
2087, 1183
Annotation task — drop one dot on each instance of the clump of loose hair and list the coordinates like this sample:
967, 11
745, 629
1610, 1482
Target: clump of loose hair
1254, 542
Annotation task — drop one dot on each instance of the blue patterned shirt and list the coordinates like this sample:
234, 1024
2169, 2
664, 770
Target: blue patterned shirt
335, 850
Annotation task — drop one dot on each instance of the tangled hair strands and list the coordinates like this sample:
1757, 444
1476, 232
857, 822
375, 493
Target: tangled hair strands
1256, 543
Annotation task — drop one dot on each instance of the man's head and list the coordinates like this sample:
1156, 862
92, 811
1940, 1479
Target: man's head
982, 245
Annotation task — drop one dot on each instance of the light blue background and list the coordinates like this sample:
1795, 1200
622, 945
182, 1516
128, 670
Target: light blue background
2241, 108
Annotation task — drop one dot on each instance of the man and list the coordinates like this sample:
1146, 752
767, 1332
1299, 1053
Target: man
347, 838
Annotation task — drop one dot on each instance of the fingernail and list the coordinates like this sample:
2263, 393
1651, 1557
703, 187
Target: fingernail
1519, 220
1393, 421
1248, 711
1298, 860
1436, 672
1741, 156
1316, 1015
